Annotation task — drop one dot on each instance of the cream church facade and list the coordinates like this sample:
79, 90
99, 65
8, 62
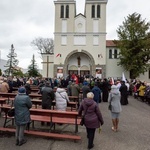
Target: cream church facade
80, 44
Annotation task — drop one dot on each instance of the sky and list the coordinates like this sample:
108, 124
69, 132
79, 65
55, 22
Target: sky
21, 21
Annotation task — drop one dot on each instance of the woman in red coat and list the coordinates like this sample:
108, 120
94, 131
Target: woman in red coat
93, 117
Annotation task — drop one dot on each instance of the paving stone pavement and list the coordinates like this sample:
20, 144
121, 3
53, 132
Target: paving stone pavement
133, 134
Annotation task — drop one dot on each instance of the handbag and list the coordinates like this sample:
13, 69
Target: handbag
110, 106
11, 112
82, 122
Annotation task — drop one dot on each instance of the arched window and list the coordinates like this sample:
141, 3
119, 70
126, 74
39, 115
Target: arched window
93, 11
67, 11
110, 53
98, 11
115, 53
62, 12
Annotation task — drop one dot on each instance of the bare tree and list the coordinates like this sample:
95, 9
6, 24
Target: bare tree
44, 45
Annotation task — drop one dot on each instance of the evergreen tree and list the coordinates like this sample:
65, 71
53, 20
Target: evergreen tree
0, 72
32, 69
12, 62
18, 73
134, 45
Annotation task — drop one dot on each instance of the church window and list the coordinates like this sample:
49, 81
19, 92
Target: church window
63, 40
98, 11
110, 53
67, 11
95, 40
93, 11
115, 53
62, 12
79, 40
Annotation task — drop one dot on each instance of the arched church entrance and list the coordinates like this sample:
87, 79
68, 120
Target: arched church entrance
79, 63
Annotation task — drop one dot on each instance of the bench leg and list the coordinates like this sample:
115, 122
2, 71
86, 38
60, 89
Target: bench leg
51, 125
5, 122
32, 124
13, 122
76, 128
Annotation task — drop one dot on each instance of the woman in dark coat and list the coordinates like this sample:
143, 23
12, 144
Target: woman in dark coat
22, 104
93, 117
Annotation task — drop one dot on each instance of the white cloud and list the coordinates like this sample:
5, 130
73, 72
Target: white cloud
21, 21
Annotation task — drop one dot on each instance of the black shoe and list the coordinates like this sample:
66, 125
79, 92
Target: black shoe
48, 124
90, 147
42, 123
17, 142
22, 142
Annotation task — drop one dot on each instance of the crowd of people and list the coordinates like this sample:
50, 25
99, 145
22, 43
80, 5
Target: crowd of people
93, 91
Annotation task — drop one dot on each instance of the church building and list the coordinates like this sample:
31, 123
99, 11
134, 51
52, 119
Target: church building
80, 44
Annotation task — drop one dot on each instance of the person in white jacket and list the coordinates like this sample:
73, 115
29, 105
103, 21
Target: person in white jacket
61, 98
114, 99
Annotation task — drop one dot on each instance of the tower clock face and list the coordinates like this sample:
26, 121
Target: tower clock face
79, 25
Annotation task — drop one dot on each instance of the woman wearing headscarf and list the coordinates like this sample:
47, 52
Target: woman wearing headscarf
22, 104
114, 99
92, 116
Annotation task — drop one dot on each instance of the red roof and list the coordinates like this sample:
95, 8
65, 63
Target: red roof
110, 43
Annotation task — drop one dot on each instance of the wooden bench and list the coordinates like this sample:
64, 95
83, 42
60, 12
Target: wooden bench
51, 116
2, 100
54, 116
69, 104
12, 95
73, 98
44, 134
8, 95
35, 95
5, 109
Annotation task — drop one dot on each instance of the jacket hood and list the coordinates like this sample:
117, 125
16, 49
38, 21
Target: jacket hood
69, 82
88, 102
115, 90
96, 88
60, 90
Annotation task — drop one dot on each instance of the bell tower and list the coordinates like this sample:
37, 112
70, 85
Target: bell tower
80, 39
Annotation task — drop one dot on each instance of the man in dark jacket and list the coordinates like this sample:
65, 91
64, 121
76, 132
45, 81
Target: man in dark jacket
47, 96
85, 89
28, 88
97, 93
75, 89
